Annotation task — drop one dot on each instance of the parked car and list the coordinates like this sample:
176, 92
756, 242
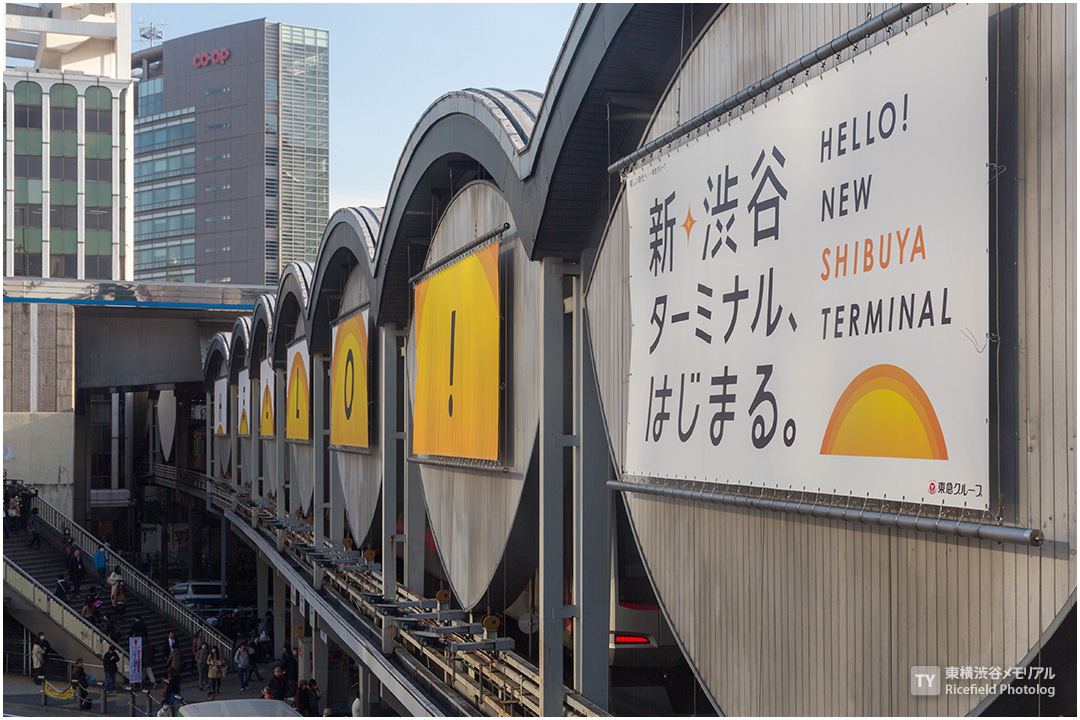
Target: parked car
206, 593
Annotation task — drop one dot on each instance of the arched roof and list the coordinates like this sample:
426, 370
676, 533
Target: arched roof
548, 155
294, 293
461, 137
262, 327
238, 348
348, 242
217, 356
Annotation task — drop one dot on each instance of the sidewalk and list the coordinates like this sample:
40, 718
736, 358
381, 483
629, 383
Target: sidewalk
23, 698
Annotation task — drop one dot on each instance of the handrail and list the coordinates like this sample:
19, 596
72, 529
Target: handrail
62, 614
146, 588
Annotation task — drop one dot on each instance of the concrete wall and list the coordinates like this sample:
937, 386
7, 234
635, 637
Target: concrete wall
40, 449
39, 357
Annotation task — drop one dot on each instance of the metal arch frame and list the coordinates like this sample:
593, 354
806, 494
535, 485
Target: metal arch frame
220, 344
262, 319
295, 285
241, 336
359, 220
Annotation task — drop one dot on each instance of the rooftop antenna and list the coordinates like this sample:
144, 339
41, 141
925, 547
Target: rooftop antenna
152, 32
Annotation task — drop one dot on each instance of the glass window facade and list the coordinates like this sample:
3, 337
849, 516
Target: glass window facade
151, 94
63, 181
27, 206
99, 193
304, 141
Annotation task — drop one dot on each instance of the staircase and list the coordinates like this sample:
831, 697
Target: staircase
46, 564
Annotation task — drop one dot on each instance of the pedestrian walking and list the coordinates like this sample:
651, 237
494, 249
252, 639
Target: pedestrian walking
114, 582
242, 658
215, 669
171, 693
101, 565
314, 696
300, 699
61, 591
110, 661
37, 661
120, 599
81, 682
33, 525
201, 656
76, 570
175, 659
67, 543
278, 684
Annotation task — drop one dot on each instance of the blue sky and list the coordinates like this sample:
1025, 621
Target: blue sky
388, 63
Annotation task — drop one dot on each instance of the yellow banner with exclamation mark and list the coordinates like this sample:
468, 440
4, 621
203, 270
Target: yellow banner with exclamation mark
456, 326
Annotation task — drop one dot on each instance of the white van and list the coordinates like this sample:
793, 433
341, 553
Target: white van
198, 593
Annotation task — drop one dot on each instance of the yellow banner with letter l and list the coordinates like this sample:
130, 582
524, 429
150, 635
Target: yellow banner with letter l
349, 382
456, 316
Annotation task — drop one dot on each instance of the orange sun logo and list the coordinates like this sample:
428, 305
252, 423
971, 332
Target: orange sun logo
884, 412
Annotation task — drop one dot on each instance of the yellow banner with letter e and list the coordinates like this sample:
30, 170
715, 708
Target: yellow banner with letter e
349, 382
297, 395
457, 359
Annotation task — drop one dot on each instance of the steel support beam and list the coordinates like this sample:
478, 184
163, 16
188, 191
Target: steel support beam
388, 399
552, 429
279, 441
281, 594
591, 520
234, 435
337, 503
415, 526
262, 573
210, 434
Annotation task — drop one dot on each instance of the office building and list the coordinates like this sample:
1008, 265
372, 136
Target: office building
231, 153
67, 131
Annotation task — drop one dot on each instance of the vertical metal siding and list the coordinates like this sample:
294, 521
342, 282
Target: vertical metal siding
787, 615
472, 512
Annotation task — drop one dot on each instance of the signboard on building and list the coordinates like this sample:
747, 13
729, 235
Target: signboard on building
266, 399
809, 284
221, 406
349, 382
243, 402
297, 393
456, 324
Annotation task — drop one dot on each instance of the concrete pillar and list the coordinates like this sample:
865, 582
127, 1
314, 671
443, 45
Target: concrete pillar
129, 441
320, 659
115, 445
262, 571
296, 628
553, 440
368, 691
388, 395
281, 607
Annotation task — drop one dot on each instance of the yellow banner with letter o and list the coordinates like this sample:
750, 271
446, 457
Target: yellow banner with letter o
349, 382
457, 359
297, 396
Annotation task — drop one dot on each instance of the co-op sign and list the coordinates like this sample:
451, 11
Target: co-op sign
217, 57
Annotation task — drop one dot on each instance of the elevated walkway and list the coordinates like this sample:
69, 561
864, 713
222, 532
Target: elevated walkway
440, 663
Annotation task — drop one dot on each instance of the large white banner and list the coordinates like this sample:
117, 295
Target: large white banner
809, 284
221, 406
243, 402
